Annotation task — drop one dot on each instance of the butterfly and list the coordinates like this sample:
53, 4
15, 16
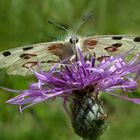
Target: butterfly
17, 61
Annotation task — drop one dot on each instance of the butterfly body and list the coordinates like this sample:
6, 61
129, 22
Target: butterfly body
17, 61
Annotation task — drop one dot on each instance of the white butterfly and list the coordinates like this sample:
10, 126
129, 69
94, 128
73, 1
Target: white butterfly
17, 61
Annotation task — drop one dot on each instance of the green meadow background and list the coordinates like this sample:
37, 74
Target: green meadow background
25, 22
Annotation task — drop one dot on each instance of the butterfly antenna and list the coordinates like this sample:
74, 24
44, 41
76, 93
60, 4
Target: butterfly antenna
89, 16
59, 26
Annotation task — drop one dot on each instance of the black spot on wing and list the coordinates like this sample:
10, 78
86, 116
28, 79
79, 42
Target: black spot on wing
117, 37
137, 39
6, 53
27, 48
116, 45
27, 55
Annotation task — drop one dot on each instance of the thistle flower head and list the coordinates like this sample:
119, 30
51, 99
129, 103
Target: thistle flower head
84, 77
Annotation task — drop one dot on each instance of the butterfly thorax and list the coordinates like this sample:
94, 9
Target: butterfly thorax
70, 47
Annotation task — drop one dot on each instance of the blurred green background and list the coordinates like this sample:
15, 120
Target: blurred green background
25, 22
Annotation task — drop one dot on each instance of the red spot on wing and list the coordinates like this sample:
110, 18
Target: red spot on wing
90, 42
55, 49
54, 46
111, 49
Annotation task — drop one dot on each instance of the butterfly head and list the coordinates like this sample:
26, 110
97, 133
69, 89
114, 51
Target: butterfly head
73, 40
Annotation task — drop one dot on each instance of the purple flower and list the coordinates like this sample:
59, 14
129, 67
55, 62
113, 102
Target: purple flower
79, 77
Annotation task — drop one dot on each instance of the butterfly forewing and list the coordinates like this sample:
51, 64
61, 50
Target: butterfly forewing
108, 45
18, 60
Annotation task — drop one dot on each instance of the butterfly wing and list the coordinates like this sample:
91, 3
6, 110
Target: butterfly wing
17, 61
107, 45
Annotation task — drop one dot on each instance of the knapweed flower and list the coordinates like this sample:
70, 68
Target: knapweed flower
64, 79
80, 83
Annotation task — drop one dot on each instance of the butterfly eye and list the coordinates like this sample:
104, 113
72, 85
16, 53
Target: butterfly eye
71, 40
77, 40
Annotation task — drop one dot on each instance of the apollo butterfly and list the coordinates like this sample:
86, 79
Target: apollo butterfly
18, 60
